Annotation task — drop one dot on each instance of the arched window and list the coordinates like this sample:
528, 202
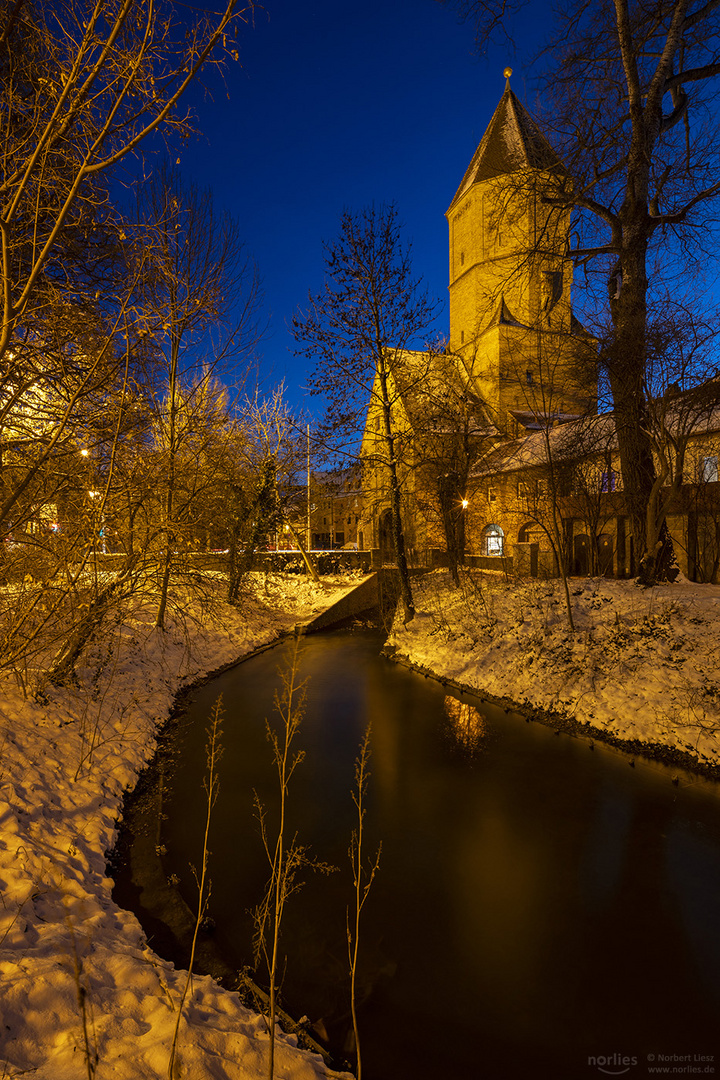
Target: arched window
492, 540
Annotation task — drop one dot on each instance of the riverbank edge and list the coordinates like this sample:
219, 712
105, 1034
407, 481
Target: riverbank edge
208, 959
125, 942
658, 752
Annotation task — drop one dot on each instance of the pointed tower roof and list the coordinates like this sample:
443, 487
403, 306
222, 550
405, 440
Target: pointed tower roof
512, 142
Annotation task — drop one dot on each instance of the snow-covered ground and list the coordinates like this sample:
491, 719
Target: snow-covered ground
76, 976
77, 979
642, 666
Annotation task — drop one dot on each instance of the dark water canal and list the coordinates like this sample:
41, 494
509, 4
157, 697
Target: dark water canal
541, 909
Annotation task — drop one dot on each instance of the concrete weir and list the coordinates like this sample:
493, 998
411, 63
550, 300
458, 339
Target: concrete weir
377, 594
364, 597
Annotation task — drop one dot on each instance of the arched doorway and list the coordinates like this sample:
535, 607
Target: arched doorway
581, 555
531, 534
606, 551
385, 540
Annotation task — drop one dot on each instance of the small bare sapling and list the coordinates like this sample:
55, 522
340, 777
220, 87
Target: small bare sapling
363, 872
285, 856
211, 786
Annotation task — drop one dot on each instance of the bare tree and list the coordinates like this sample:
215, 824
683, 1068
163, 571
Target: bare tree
541, 492
260, 482
60, 506
211, 787
363, 873
198, 306
286, 857
682, 393
83, 84
588, 450
703, 510
360, 332
452, 430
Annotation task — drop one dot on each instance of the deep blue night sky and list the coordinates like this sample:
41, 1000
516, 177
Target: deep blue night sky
337, 105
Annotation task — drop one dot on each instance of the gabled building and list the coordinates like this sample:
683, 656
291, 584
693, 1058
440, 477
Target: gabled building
571, 474
335, 509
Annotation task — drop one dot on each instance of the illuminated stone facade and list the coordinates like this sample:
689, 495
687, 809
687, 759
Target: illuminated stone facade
544, 474
511, 320
515, 352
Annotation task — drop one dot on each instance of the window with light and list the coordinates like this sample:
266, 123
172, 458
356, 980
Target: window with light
493, 539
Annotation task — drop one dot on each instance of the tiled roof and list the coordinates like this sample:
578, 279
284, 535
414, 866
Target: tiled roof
513, 142
693, 413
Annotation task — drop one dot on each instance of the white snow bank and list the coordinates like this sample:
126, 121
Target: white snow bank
642, 664
75, 971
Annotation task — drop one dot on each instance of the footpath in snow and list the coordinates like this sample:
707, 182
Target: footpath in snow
642, 667
77, 978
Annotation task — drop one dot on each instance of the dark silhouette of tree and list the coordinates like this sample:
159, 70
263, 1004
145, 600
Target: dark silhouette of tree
359, 332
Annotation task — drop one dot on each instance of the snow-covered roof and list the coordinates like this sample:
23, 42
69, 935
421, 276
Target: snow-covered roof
693, 413
534, 421
579, 437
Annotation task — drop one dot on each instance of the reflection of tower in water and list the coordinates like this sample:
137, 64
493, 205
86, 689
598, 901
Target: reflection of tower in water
465, 727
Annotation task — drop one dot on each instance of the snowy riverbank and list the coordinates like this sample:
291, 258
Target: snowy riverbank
643, 665
76, 976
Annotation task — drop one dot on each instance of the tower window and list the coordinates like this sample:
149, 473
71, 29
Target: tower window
529, 378
607, 481
462, 337
462, 258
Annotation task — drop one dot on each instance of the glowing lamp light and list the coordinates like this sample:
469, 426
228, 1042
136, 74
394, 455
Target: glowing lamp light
464, 504
84, 453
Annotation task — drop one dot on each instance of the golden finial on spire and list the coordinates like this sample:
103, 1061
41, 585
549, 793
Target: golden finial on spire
507, 73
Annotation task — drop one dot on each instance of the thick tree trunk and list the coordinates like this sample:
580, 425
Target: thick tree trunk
626, 370
172, 466
306, 558
453, 522
264, 510
398, 533
241, 561
399, 543
234, 576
